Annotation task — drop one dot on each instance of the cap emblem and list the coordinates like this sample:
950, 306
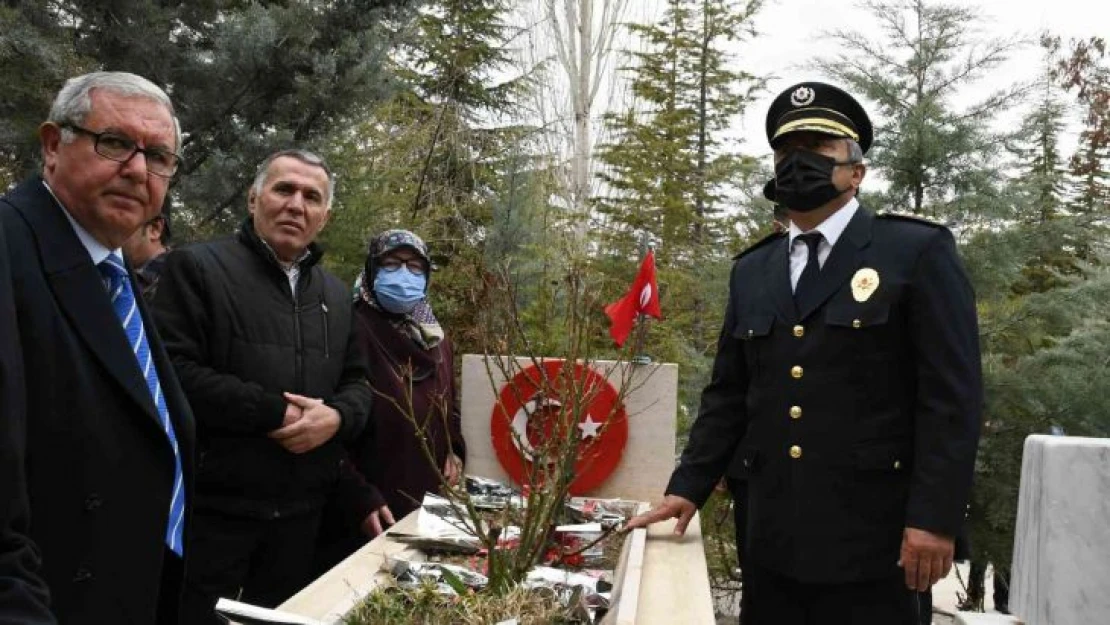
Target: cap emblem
802, 96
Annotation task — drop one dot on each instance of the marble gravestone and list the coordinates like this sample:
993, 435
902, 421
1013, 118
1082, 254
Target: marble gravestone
664, 579
648, 457
1061, 569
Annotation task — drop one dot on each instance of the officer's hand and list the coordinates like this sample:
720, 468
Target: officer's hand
926, 558
673, 507
318, 423
376, 521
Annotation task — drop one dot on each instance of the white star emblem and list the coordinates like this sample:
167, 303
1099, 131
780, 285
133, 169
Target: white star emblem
589, 427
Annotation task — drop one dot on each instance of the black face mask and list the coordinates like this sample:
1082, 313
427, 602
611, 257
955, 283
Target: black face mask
803, 180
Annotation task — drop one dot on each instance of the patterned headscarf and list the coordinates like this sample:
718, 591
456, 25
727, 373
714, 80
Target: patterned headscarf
420, 324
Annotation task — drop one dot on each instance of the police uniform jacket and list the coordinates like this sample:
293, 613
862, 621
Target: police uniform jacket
853, 418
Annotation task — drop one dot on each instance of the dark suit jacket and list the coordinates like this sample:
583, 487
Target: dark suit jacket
851, 419
100, 468
23, 595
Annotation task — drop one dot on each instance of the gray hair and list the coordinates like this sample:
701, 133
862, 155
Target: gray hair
74, 102
303, 156
855, 153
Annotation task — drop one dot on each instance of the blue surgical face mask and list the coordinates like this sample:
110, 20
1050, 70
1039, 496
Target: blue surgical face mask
400, 290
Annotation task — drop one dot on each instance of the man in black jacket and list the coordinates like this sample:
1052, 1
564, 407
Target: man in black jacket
846, 388
262, 341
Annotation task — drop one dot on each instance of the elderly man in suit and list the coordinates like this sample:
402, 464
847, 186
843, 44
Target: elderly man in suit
109, 438
846, 389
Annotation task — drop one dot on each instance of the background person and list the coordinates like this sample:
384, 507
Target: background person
146, 251
409, 356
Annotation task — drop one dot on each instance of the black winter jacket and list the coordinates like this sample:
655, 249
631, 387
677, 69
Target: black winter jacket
238, 338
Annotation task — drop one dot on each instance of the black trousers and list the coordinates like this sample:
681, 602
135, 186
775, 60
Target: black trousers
262, 562
739, 489
773, 599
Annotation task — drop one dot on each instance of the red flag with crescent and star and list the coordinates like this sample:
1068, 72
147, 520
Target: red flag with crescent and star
642, 299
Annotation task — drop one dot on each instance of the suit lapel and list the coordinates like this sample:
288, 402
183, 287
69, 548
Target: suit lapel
778, 281
842, 262
79, 290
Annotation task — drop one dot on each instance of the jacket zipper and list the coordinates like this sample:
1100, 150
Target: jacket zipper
324, 312
299, 361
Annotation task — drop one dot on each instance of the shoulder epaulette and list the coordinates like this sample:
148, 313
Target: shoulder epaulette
885, 214
774, 236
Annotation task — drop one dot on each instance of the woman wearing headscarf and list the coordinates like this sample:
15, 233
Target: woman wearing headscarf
413, 378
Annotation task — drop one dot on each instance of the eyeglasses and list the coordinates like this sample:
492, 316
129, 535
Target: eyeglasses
121, 149
414, 265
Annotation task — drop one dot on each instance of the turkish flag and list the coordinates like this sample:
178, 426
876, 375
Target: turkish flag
642, 299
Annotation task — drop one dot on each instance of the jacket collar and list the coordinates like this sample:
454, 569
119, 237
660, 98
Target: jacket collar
249, 237
844, 258
79, 290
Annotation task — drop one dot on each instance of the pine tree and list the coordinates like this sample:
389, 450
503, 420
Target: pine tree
1039, 186
1041, 284
442, 157
670, 174
1084, 70
937, 158
246, 78
671, 178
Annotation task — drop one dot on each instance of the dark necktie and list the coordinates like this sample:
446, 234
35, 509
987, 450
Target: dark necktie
123, 301
807, 283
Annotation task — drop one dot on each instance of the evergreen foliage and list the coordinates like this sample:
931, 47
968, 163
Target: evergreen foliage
417, 108
937, 158
1035, 255
246, 78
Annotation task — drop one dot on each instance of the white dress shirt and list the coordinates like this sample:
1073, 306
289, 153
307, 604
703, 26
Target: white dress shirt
97, 251
830, 230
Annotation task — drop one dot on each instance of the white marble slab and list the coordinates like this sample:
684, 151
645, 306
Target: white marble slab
979, 618
652, 408
1061, 571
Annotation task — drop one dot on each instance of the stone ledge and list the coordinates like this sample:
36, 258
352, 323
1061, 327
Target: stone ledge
979, 618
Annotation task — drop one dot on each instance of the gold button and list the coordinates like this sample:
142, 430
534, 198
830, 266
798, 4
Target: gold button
855, 323
799, 331
795, 412
795, 452
796, 372
897, 464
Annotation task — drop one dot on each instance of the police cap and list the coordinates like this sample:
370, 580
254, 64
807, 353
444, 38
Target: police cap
818, 107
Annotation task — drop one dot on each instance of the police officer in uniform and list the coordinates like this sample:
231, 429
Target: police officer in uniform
846, 389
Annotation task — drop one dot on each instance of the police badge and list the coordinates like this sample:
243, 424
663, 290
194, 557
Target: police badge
864, 284
802, 96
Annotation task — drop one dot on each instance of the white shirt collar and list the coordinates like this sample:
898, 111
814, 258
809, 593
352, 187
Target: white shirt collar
292, 270
97, 251
832, 227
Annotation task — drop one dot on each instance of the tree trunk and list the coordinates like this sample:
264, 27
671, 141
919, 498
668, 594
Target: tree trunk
698, 303
581, 92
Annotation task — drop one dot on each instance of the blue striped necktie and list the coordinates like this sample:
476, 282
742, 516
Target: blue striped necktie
123, 301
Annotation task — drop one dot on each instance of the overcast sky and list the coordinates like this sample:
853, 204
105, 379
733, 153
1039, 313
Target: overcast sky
790, 38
